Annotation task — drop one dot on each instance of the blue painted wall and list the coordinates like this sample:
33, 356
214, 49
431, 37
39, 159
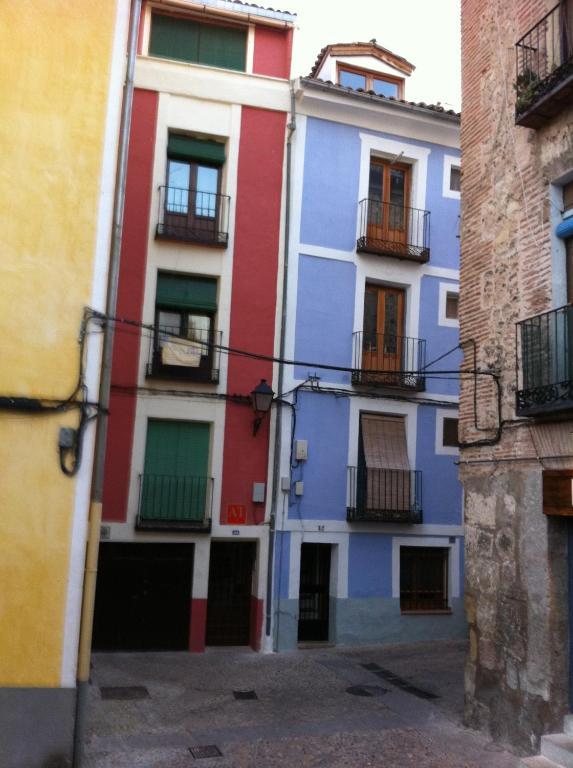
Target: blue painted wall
441, 489
439, 338
330, 186
369, 565
323, 421
325, 316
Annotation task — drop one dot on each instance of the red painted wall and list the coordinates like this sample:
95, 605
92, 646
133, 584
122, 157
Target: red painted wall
129, 304
253, 301
198, 626
272, 54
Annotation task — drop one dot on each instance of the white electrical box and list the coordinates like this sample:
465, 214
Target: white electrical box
285, 484
301, 450
258, 493
299, 488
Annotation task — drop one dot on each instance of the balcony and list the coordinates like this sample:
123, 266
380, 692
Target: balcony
172, 502
173, 357
384, 496
545, 343
193, 216
544, 69
387, 229
385, 360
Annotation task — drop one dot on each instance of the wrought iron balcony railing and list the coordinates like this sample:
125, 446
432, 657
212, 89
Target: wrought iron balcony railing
544, 354
388, 229
382, 359
193, 216
544, 68
172, 356
175, 502
384, 495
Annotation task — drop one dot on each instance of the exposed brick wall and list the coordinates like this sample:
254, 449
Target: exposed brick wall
515, 558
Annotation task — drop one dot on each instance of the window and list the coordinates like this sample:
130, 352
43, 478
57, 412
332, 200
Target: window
192, 208
380, 83
183, 345
388, 212
386, 489
448, 305
450, 433
174, 484
455, 178
383, 336
452, 306
451, 180
174, 37
423, 579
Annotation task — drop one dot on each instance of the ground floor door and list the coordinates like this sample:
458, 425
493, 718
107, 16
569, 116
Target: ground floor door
143, 597
314, 594
230, 588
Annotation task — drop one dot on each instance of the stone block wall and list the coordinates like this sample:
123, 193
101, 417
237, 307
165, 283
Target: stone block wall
516, 558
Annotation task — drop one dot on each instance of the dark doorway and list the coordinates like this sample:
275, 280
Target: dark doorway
229, 601
314, 592
143, 598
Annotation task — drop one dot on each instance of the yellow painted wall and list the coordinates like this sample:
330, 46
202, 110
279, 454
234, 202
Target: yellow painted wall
55, 62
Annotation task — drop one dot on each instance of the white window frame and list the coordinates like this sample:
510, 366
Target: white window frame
450, 161
445, 288
428, 542
440, 448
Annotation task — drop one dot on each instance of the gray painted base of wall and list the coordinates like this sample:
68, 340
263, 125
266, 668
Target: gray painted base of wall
373, 620
36, 727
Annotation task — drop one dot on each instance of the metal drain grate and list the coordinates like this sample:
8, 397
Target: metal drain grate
366, 690
245, 695
123, 692
210, 750
390, 677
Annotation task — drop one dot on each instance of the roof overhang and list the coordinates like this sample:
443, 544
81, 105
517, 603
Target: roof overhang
232, 9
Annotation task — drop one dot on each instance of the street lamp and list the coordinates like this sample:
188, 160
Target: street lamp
261, 398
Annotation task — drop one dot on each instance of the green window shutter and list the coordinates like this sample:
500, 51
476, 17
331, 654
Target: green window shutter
175, 483
223, 47
186, 148
174, 38
182, 292
186, 40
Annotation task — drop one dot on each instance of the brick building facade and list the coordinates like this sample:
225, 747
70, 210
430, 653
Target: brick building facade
516, 421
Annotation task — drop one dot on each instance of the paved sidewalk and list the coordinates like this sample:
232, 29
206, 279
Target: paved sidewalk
332, 707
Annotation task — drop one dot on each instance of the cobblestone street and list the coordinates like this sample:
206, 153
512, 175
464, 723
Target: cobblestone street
385, 706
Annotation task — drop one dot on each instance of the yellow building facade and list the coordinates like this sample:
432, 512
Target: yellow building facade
63, 64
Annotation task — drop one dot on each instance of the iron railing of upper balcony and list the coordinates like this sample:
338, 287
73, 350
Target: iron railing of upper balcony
193, 216
382, 359
384, 495
544, 355
175, 502
193, 358
391, 229
544, 68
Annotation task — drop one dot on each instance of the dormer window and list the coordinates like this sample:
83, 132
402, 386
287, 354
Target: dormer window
379, 82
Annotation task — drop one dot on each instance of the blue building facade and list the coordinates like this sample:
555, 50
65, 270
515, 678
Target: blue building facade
369, 540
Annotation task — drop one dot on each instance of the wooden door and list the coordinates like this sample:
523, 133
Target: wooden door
314, 595
230, 586
383, 336
389, 191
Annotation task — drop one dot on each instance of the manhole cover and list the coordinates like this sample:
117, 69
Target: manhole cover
366, 690
124, 692
210, 750
244, 695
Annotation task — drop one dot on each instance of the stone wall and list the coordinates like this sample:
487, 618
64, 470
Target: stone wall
516, 558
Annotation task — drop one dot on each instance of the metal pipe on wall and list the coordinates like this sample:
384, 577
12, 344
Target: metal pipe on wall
92, 550
280, 380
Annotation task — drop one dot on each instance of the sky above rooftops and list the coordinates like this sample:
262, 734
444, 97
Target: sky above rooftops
426, 32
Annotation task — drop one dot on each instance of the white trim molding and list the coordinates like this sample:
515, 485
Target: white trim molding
450, 161
441, 449
426, 541
445, 288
